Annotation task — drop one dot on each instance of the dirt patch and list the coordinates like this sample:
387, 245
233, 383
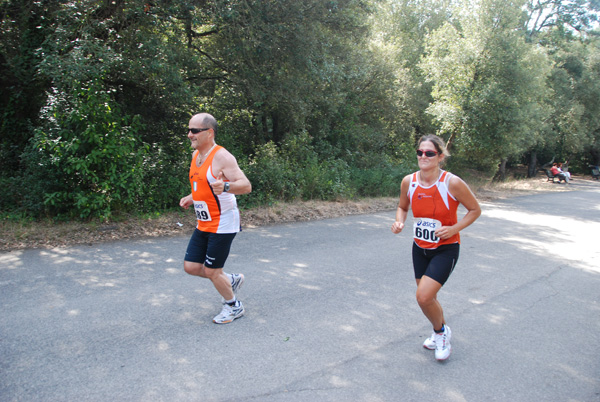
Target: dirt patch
49, 234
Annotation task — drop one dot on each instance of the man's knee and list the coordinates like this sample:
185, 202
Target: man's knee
193, 268
213, 273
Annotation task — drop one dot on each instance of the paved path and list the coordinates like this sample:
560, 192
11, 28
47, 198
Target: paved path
331, 314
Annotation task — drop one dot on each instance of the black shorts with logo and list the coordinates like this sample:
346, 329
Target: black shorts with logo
210, 249
437, 263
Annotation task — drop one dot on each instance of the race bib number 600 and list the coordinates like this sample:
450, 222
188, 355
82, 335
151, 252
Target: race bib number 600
202, 213
424, 229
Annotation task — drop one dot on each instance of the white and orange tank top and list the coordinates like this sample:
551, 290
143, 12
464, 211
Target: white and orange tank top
432, 207
215, 213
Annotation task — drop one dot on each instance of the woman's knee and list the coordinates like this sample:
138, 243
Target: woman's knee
427, 290
426, 295
425, 298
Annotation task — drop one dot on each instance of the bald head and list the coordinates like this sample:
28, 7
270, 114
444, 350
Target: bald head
204, 120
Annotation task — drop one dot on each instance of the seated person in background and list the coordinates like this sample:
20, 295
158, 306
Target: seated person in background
557, 172
564, 170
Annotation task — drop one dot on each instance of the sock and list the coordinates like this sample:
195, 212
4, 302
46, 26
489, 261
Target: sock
232, 301
440, 331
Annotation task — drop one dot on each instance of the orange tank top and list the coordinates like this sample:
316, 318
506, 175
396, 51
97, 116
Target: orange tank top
432, 207
215, 213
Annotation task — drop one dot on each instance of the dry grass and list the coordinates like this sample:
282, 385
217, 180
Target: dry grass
49, 234
487, 191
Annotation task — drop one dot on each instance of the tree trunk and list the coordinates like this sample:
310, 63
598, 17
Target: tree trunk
265, 126
532, 167
277, 132
501, 175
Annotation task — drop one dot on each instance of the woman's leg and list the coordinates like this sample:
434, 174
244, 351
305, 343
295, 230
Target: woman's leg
427, 290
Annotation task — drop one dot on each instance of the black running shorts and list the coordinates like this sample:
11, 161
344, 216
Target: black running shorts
210, 249
436, 263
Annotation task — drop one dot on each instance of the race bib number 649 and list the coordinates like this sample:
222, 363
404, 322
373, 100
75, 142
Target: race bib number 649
424, 229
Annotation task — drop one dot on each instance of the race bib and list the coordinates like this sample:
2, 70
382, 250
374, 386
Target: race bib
202, 213
424, 229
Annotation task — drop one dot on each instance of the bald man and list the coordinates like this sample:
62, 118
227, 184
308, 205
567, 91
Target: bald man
215, 179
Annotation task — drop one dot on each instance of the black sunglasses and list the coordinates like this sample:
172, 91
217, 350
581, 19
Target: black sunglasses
429, 154
197, 130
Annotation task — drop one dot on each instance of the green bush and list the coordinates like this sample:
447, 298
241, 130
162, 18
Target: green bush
271, 177
90, 154
294, 172
165, 179
379, 181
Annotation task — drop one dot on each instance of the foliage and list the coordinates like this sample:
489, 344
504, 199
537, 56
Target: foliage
575, 126
23, 28
280, 174
489, 86
287, 57
90, 155
566, 16
317, 99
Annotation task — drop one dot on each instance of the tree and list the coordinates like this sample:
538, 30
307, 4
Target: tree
285, 57
24, 27
488, 84
563, 28
400, 28
268, 70
589, 90
564, 15
575, 120
140, 59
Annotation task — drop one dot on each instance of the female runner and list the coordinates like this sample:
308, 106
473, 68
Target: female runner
434, 196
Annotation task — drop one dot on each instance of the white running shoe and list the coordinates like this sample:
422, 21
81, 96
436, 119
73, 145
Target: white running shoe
442, 344
430, 342
237, 280
229, 313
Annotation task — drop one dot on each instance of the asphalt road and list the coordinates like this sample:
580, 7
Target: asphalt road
331, 314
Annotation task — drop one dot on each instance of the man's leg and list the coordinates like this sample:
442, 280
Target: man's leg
216, 275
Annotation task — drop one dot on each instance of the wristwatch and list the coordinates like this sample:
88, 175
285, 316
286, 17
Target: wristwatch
226, 187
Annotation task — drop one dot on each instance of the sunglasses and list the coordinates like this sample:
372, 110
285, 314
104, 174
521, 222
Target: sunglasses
197, 130
429, 154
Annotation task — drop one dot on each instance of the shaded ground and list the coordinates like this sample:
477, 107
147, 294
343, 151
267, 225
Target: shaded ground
48, 234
